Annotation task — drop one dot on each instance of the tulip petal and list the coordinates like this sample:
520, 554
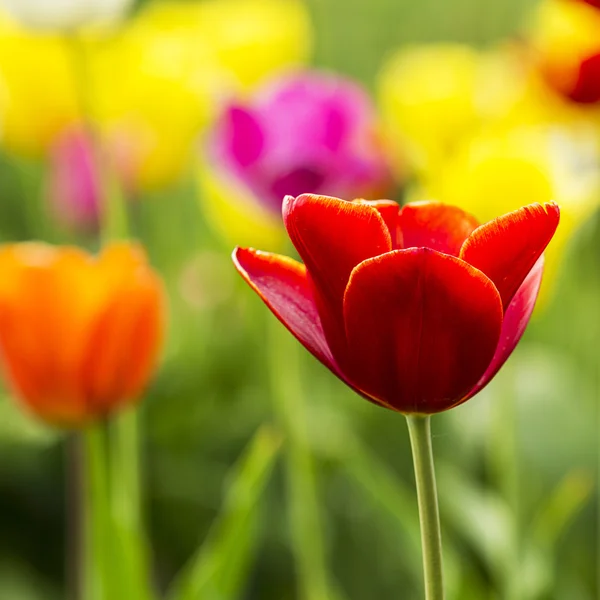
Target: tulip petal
587, 86
507, 248
435, 225
38, 367
389, 211
245, 135
515, 321
301, 179
123, 344
332, 236
422, 328
283, 286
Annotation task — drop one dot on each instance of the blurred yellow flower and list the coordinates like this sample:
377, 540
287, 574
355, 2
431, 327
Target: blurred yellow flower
427, 99
253, 39
498, 170
433, 97
151, 86
37, 92
150, 93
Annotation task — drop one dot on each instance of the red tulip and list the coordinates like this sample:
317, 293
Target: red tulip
595, 3
415, 308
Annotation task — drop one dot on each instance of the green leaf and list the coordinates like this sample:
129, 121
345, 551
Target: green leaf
552, 520
397, 501
219, 567
481, 516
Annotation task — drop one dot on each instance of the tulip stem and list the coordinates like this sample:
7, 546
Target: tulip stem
126, 505
419, 428
94, 578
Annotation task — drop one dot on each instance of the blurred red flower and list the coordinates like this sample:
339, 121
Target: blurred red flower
415, 308
582, 84
79, 335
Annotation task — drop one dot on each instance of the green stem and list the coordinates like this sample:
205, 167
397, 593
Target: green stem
304, 518
131, 566
419, 428
126, 504
94, 513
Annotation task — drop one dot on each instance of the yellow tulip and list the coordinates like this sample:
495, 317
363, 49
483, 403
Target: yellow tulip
37, 91
150, 97
498, 170
428, 101
150, 87
255, 38
434, 96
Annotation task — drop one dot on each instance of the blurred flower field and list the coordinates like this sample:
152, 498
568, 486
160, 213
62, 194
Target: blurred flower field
161, 434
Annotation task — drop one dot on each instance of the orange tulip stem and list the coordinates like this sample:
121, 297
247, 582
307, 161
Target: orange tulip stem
123, 467
95, 577
126, 506
419, 428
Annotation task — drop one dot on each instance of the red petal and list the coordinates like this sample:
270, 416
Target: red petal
389, 211
515, 321
332, 236
506, 248
587, 86
283, 286
434, 225
422, 328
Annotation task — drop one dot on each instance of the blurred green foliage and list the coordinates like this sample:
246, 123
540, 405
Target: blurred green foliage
517, 465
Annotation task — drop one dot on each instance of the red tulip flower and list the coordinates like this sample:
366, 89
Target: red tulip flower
415, 308
595, 3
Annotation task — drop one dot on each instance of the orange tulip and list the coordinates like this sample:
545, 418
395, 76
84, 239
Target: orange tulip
79, 335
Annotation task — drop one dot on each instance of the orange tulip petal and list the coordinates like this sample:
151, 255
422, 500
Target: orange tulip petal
507, 248
24, 372
147, 334
50, 300
122, 345
332, 236
283, 286
42, 325
422, 328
